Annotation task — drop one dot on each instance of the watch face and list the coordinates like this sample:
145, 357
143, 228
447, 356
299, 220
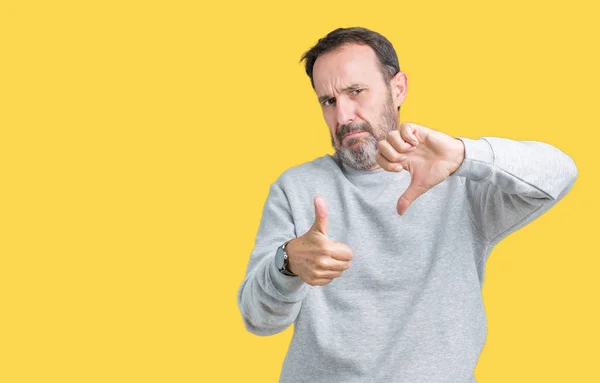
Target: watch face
279, 259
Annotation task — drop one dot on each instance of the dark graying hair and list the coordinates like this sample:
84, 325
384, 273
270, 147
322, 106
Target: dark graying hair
388, 60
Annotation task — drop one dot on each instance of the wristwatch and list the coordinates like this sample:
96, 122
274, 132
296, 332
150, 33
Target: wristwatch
281, 260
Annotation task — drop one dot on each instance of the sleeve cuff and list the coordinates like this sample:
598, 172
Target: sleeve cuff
479, 160
292, 288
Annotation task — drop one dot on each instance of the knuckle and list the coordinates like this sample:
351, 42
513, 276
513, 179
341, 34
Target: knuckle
382, 158
397, 157
400, 142
327, 251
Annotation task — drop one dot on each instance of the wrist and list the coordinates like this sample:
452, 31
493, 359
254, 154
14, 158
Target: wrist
282, 260
290, 289
457, 154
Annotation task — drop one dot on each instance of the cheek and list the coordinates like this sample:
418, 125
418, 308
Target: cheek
330, 120
364, 111
368, 109
332, 134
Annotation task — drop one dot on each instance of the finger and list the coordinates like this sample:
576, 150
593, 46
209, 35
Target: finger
339, 265
341, 252
330, 263
389, 152
320, 282
320, 223
398, 143
328, 274
385, 164
409, 196
408, 132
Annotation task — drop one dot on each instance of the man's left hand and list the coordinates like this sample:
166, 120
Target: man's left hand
428, 155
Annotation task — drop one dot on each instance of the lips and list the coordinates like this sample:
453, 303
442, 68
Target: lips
352, 134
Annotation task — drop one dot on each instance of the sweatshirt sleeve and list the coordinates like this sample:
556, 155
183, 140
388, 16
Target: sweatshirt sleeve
511, 183
269, 301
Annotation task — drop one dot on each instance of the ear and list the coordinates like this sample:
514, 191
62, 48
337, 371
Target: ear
399, 86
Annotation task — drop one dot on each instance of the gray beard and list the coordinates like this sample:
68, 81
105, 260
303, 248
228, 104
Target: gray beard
361, 158
364, 155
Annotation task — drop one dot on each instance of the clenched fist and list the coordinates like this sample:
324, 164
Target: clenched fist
316, 259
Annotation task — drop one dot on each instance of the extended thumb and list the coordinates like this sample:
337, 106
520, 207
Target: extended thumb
409, 196
320, 216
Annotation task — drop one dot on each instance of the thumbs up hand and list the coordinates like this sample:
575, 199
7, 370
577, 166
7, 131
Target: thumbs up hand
315, 258
428, 155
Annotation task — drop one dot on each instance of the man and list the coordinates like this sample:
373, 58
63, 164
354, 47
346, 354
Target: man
381, 288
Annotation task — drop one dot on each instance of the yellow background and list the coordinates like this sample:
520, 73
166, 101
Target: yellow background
139, 139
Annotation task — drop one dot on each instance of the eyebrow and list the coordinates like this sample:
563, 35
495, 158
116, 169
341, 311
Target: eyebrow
346, 89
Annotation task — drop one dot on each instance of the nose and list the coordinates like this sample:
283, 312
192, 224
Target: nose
345, 111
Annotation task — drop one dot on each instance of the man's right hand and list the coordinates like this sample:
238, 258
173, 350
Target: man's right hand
316, 259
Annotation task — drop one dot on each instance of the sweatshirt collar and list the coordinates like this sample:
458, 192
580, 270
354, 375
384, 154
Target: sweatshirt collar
369, 179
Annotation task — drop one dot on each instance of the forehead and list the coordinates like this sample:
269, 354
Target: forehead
348, 64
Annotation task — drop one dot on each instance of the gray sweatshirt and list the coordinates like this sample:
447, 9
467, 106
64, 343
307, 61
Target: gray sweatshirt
410, 307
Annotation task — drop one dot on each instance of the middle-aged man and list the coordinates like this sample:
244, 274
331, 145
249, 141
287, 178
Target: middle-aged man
377, 254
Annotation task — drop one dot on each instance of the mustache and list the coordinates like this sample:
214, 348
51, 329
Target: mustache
351, 128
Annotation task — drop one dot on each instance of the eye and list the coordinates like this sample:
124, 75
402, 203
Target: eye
357, 91
328, 102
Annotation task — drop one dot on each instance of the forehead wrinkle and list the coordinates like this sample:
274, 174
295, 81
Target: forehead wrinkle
332, 90
339, 70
